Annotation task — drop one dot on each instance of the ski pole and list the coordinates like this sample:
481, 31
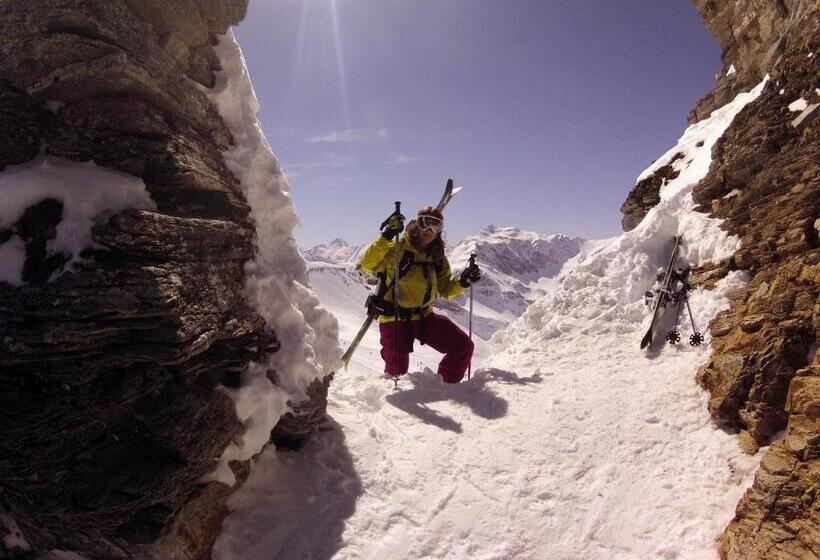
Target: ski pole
396, 303
470, 365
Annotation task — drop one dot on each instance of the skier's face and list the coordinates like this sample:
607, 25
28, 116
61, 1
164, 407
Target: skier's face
429, 228
427, 236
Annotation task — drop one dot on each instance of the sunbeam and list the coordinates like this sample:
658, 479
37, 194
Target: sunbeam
334, 13
319, 63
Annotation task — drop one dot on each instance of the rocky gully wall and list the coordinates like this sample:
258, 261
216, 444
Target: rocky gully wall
110, 408
764, 182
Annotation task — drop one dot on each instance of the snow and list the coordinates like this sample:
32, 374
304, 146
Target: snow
568, 442
13, 537
731, 70
798, 105
89, 194
804, 114
277, 280
708, 131
337, 251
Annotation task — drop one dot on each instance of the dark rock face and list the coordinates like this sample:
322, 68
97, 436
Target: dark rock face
764, 183
294, 427
36, 228
754, 37
778, 517
111, 409
646, 194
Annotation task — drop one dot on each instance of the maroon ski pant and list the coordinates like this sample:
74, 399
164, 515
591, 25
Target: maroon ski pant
440, 333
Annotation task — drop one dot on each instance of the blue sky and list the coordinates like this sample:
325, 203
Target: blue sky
545, 111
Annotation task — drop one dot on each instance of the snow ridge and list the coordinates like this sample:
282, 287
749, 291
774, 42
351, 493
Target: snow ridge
277, 280
337, 251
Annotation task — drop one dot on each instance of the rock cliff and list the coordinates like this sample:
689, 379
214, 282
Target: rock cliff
764, 183
112, 365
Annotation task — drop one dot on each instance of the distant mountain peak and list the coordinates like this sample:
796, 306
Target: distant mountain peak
337, 251
520, 254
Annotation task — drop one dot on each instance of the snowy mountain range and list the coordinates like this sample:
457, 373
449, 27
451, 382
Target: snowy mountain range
517, 266
337, 251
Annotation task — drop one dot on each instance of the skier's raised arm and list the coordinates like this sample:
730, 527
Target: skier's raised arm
373, 260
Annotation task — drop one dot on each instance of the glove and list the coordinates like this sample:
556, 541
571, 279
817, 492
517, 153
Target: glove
470, 276
392, 226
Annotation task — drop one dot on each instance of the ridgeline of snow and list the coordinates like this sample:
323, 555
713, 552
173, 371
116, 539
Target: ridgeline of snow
514, 262
523, 255
572, 444
337, 251
277, 280
89, 194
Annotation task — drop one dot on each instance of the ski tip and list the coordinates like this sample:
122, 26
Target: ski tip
449, 183
457, 190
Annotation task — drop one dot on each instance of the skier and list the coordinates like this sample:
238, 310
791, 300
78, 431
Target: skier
424, 274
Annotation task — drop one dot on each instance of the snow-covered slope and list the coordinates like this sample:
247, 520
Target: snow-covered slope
570, 443
337, 251
514, 262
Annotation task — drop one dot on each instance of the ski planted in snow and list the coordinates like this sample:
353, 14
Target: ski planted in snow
449, 193
663, 293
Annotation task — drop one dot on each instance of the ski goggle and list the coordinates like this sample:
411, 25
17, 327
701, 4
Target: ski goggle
430, 222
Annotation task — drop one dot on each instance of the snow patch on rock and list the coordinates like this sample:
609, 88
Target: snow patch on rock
89, 194
798, 105
14, 536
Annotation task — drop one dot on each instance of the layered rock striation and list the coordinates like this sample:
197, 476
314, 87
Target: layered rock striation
111, 410
764, 183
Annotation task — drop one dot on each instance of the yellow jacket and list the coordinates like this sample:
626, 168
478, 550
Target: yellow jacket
380, 256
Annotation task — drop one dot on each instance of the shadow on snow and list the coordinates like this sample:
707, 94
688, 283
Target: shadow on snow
473, 393
295, 503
